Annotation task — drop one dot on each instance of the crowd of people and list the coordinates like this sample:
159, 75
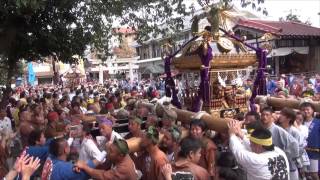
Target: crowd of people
294, 86
58, 133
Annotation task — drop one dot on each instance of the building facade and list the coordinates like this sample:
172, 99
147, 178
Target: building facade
45, 71
122, 63
295, 46
150, 62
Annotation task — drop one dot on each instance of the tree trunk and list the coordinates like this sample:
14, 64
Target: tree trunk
12, 67
56, 79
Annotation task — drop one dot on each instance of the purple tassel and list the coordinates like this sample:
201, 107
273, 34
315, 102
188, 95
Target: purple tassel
203, 92
169, 83
259, 86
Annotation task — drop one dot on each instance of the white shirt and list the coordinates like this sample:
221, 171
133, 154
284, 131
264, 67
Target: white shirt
71, 95
263, 166
89, 150
115, 135
307, 124
304, 132
83, 109
101, 140
5, 125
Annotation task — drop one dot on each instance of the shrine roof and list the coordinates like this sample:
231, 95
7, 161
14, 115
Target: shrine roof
280, 28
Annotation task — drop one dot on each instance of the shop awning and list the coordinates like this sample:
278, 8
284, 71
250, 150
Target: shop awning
288, 50
46, 74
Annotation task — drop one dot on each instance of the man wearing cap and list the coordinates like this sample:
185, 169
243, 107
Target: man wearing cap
152, 120
123, 167
170, 143
142, 112
54, 127
168, 119
134, 128
130, 104
157, 158
105, 126
88, 148
265, 161
122, 114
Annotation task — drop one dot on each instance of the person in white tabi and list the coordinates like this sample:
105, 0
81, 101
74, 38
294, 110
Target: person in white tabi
264, 161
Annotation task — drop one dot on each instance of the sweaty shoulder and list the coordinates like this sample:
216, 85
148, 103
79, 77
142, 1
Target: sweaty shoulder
161, 158
209, 143
199, 172
127, 168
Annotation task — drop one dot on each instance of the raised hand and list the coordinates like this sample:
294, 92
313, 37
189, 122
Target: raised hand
166, 170
80, 165
29, 166
20, 160
233, 126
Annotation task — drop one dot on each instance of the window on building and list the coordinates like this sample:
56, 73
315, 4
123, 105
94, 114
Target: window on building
297, 42
300, 43
285, 43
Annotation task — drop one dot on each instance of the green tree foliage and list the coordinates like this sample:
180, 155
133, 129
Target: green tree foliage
33, 29
294, 18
